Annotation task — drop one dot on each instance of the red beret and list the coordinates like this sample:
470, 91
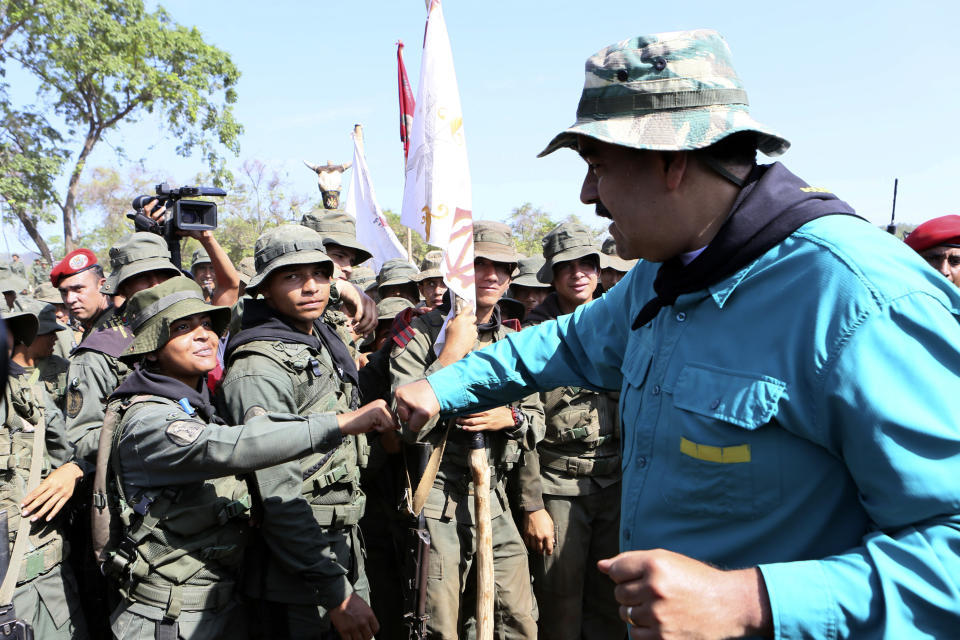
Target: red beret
942, 230
73, 263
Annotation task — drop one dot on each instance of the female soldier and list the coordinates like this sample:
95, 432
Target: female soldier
185, 516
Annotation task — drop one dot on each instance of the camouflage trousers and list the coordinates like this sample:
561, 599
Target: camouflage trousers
51, 604
452, 581
576, 601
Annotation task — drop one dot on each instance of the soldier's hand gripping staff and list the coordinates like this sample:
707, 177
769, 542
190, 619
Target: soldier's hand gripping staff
170, 518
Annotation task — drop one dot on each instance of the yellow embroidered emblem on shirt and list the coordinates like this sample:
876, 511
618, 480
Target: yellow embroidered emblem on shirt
723, 455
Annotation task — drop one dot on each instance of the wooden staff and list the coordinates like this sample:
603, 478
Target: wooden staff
481, 502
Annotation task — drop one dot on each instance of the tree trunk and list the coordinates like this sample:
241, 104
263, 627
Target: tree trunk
31, 226
69, 207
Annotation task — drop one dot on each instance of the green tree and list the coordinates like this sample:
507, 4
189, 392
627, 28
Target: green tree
418, 245
105, 196
99, 63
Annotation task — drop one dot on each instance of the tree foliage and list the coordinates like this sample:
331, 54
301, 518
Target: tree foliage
99, 63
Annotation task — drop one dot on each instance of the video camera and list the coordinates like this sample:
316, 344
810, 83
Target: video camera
182, 215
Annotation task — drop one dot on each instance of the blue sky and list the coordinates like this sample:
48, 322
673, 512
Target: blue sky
866, 92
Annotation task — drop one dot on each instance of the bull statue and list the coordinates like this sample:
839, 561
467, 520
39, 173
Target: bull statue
329, 178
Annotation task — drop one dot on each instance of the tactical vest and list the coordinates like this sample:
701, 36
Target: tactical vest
179, 548
331, 480
583, 432
47, 547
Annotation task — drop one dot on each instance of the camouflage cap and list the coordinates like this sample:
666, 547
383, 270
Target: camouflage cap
666, 92
610, 260
527, 270
388, 308
22, 325
337, 227
566, 241
200, 256
363, 277
493, 241
149, 313
429, 266
138, 253
286, 245
46, 292
247, 269
396, 271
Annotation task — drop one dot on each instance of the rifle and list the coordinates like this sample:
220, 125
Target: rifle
418, 562
10, 626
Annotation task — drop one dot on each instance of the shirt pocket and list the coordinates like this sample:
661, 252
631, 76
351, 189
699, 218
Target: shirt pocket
721, 450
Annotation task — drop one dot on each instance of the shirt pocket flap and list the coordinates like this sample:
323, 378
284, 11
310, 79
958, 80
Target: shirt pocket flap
744, 399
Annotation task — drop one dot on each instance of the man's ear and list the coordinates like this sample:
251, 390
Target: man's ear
674, 168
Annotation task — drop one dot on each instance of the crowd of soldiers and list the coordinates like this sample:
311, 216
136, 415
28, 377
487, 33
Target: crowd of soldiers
253, 483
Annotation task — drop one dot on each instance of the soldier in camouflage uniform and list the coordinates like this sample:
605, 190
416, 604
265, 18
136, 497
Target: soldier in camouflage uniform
17, 267
138, 262
79, 278
185, 516
526, 288
39, 272
307, 576
40, 357
11, 285
396, 278
66, 340
339, 233
449, 510
570, 484
46, 594
612, 266
430, 280
201, 268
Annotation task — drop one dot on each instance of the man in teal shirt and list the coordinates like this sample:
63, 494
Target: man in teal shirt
788, 373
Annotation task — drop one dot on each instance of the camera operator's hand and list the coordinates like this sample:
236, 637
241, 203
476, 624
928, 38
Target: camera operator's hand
156, 214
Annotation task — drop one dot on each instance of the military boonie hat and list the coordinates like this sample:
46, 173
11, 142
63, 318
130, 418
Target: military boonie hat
566, 241
200, 256
246, 269
492, 240
22, 325
138, 253
75, 262
284, 246
673, 91
363, 277
339, 228
12, 282
610, 260
396, 271
388, 308
149, 313
46, 317
46, 292
429, 266
527, 270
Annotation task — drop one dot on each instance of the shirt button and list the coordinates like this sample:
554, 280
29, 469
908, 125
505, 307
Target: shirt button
656, 389
681, 316
642, 462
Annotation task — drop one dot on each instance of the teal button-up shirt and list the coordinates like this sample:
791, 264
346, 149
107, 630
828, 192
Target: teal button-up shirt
800, 415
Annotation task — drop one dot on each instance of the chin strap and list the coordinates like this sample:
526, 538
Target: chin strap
722, 171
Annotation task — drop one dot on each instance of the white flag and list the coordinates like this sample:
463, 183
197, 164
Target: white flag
373, 232
437, 200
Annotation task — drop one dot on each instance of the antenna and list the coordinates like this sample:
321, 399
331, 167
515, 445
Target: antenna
892, 227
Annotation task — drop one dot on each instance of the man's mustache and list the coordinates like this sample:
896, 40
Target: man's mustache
602, 211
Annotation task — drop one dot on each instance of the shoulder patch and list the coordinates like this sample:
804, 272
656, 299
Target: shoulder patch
74, 400
184, 432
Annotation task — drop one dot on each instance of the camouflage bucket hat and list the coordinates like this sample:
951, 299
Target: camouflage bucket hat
527, 273
363, 277
286, 245
22, 325
149, 313
666, 92
493, 241
246, 269
396, 271
430, 266
200, 256
339, 228
610, 260
48, 293
138, 253
388, 308
567, 241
